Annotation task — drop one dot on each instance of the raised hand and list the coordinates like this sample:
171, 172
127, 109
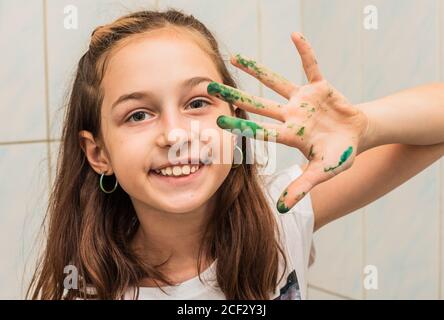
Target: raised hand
317, 119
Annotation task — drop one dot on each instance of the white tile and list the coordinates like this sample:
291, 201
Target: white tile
441, 228
440, 27
277, 49
402, 229
441, 37
403, 226
278, 52
401, 53
339, 254
66, 46
23, 200
333, 29
22, 77
317, 294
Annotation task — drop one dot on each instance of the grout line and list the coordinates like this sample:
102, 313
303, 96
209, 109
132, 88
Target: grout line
301, 15
47, 111
364, 210
259, 41
364, 250
440, 77
440, 226
7, 143
440, 26
339, 295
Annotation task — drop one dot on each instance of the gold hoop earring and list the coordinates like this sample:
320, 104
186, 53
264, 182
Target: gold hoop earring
241, 155
101, 185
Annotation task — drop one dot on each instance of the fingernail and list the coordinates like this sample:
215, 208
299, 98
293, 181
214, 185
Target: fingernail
240, 126
282, 208
221, 121
223, 92
213, 88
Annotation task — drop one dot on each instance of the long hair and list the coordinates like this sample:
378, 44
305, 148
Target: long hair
93, 231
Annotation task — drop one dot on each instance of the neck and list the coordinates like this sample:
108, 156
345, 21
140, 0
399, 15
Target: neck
175, 237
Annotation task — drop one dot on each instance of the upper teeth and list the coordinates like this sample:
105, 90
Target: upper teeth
178, 170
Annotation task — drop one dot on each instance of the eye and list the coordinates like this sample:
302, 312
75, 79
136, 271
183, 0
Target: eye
137, 116
196, 104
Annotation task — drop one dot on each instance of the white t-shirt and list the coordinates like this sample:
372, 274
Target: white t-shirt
296, 231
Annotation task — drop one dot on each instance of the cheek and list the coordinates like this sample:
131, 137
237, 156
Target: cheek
130, 154
221, 142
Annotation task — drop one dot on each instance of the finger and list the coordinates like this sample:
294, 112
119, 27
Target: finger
308, 57
316, 172
252, 129
268, 77
297, 189
246, 101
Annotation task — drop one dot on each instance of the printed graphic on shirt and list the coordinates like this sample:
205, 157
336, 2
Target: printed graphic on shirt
291, 289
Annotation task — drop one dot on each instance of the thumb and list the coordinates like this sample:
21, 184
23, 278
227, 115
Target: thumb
297, 190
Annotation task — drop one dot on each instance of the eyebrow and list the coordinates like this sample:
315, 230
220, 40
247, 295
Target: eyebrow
187, 84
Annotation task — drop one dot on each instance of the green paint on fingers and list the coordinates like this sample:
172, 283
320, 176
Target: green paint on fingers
300, 196
301, 131
311, 153
281, 206
249, 64
260, 71
230, 95
248, 128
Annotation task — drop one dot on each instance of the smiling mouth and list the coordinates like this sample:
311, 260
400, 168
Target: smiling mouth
178, 171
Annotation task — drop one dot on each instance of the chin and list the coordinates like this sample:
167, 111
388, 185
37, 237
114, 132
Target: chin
185, 206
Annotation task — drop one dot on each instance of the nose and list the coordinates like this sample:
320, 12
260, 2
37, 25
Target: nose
175, 128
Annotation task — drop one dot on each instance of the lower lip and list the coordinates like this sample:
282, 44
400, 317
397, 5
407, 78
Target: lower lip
179, 180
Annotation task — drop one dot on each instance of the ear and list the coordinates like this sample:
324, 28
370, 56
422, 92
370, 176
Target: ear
95, 153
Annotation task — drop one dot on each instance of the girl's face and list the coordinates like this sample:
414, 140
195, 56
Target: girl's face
156, 101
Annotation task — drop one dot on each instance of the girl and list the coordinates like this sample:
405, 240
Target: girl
134, 220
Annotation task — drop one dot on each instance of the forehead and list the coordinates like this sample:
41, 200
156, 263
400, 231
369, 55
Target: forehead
158, 57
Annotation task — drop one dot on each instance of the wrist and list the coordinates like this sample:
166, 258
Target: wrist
370, 136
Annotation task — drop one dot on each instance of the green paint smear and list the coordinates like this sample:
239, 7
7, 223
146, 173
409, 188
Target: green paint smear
250, 64
301, 131
310, 153
260, 71
281, 207
248, 128
301, 195
230, 95
345, 155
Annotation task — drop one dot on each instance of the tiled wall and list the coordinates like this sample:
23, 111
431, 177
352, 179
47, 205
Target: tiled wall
401, 234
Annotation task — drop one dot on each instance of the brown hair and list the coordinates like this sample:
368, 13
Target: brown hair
92, 230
